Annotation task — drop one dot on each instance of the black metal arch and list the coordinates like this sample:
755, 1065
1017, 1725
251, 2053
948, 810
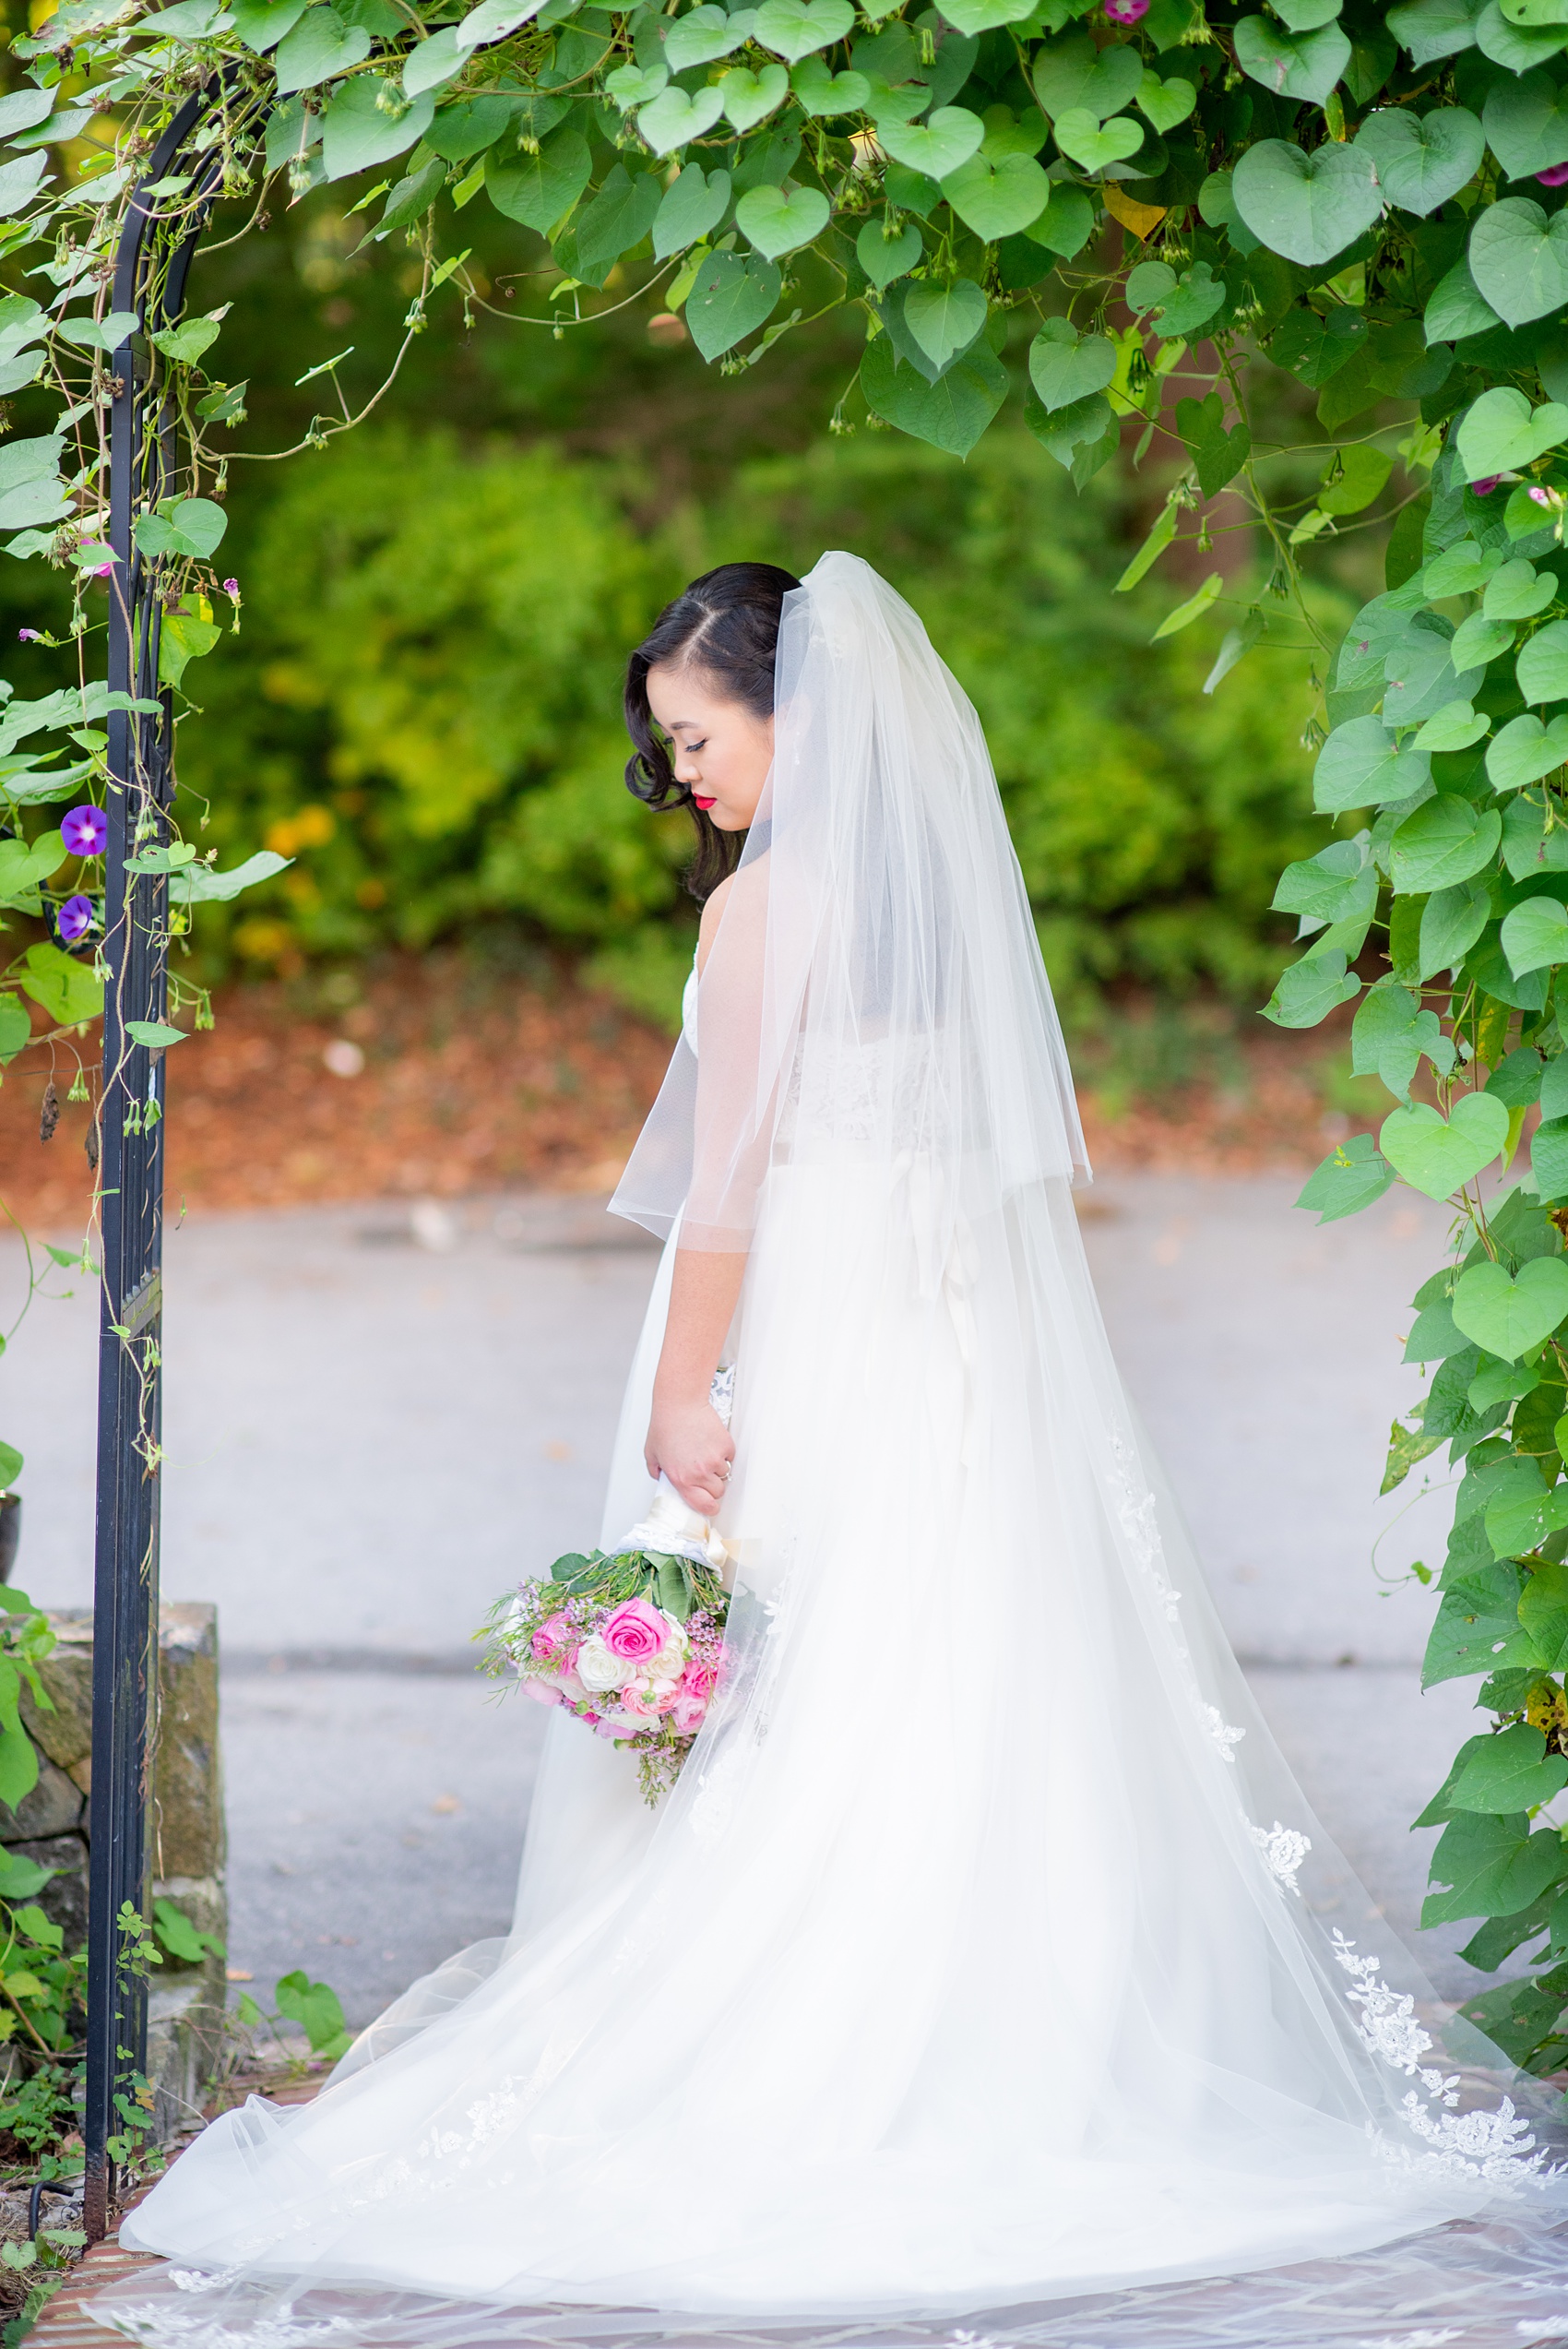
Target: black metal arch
153, 261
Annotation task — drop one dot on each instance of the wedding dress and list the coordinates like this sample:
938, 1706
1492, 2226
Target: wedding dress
984, 1968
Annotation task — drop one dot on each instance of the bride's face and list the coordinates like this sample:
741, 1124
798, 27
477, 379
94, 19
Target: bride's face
720, 751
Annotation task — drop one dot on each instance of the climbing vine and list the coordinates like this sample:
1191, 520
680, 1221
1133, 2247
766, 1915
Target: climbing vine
1124, 214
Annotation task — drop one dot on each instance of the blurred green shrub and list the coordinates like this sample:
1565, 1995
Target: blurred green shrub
423, 706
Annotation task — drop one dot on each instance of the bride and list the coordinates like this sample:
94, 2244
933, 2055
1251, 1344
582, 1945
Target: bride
984, 1956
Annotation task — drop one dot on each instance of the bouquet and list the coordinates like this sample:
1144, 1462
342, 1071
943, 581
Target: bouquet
630, 1640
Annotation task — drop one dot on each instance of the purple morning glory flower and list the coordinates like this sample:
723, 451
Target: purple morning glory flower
85, 831
1484, 488
28, 636
73, 920
1539, 496
231, 589
1555, 177
1125, 12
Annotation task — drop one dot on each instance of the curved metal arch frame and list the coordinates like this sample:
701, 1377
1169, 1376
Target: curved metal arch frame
153, 261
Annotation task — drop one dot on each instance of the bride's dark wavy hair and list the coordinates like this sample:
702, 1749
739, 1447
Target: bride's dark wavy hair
726, 624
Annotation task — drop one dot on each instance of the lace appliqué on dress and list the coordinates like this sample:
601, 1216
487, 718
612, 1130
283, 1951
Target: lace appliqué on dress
1283, 1849
168, 2322
1139, 1521
1493, 2146
1224, 1736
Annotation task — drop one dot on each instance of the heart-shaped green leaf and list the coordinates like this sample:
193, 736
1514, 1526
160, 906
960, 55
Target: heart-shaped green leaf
432, 61
1535, 937
950, 414
987, 15
944, 319
1455, 727
632, 86
1306, 207
468, 127
692, 207
1422, 160
1508, 1316
1081, 138
1516, 591
676, 117
1456, 308
1524, 750
1520, 259
193, 526
1070, 73
1308, 990
1478, 641
1360, 766
1151, 282
1436, 1154
1433, 29
821, 93
1444, 841
321, 44
1197, 297
1452, 919
539, 190
357, 135
1517, 46
619, 217
1512, 1771
776, 223
1541, 670
885, 257
1065, 366
260, 24
1502, 434
731, 297
1293, 64
795, 29
1166, 104
1526, 123
997, 199
702, 36
750, 97
937, 148
1460, 570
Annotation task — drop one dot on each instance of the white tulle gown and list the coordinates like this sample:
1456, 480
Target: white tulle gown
985, 1956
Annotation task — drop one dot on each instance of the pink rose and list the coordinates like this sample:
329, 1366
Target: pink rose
543, 1692
552, 1636
687, 1714
615, 1724
697, 1680
635, 1632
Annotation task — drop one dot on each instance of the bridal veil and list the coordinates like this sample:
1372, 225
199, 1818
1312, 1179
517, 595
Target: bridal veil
985, 1957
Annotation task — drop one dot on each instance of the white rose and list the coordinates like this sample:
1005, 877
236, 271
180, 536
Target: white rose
599, 1670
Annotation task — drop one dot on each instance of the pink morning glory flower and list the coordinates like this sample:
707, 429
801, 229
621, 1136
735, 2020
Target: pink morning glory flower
85, 831
1484, 488
1125, 12
1555, 177
28, 636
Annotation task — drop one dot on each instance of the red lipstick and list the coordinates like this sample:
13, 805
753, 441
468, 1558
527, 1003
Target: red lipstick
698, 802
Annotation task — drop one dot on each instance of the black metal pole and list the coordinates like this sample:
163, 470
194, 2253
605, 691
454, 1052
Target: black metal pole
150, 268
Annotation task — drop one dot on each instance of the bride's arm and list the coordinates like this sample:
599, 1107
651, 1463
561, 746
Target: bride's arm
687, 1437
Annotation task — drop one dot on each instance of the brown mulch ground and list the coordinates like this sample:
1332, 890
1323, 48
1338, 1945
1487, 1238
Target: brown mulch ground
441, 1079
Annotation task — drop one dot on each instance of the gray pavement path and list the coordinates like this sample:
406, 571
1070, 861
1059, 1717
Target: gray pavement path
375, 1419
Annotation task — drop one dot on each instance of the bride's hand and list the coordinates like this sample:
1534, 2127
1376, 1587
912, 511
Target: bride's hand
691, 1444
